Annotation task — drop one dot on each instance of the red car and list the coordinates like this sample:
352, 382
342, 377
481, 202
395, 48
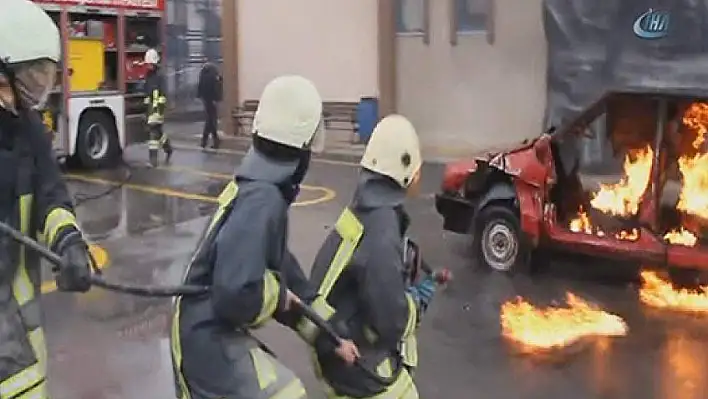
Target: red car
515, 202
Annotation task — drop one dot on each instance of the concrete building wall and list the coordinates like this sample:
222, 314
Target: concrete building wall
332, 42
474, 95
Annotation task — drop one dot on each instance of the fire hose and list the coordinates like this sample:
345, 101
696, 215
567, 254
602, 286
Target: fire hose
440, 277
97, 279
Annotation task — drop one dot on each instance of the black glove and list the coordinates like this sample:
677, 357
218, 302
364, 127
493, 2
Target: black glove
75, 274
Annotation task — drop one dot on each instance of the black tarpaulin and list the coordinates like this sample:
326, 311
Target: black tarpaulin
595, 46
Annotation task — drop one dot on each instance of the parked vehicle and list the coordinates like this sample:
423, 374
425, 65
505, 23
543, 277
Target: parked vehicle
518, 202
98, 98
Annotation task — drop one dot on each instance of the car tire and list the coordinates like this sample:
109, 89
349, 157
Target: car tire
498, 242
97, 144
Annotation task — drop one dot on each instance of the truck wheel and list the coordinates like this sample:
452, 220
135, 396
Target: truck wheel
97, 144
497, 240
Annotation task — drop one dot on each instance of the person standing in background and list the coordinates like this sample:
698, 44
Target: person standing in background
209, 90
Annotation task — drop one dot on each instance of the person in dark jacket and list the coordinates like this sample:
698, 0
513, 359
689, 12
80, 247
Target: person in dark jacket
209, 90
33, 198
156, 102
244, 258
360, 274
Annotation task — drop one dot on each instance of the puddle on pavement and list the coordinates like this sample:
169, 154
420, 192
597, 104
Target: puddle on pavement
129, 212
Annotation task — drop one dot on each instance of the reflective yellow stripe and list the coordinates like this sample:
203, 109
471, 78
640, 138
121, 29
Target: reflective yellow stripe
24, 292
21, 381
350, 230
153, 144
271, 293
22, 288
155, 118
409, 351
57, 219
265, 371
163, 138
227, 196
162, 100
412, 317
294, 390
384, 369
306, 329
38, 392
177, 354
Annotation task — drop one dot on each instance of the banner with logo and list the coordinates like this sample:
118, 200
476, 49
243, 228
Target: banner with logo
597, 45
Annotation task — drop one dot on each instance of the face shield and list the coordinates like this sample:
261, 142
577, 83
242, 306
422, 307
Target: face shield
34, 81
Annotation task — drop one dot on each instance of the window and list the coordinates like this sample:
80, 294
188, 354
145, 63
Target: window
410, 16
472, 15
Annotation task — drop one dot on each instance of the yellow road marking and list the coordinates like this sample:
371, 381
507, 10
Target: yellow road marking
99, 254
327, 194
236, 152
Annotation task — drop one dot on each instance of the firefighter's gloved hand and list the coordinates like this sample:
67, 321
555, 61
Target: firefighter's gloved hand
423, 292
75, 274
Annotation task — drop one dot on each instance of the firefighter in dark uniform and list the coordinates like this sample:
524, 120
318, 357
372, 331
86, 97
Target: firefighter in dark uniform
360, 274
156, 103
33, 198
244, 258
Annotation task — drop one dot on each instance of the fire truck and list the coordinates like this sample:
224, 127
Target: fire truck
96, 107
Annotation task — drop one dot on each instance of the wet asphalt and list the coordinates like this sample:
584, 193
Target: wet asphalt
105, 345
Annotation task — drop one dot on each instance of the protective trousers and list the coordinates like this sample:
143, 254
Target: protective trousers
248, 371
158, 139
210, 124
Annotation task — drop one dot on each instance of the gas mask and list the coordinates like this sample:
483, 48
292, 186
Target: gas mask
31, 82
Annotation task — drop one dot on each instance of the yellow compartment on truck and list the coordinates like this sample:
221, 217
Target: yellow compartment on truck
86, 64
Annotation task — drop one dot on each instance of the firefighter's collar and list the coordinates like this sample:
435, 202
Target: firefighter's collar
376, 191
255, 166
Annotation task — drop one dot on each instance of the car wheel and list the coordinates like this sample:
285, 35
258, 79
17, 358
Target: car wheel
97, 144
497, 240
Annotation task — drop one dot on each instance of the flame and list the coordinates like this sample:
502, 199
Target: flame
693, 197
556, 327
619, 199
681, 237
582, 224
623, 198
659, 293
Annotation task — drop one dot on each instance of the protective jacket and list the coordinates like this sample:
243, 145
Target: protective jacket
359, 271
33, 199
155, 97
243, 256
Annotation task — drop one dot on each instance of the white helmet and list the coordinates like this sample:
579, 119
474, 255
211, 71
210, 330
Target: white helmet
289, 112
27, 33
29, 39
393, 150
152, 57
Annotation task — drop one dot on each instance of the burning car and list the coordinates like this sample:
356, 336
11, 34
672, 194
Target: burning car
518, 202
